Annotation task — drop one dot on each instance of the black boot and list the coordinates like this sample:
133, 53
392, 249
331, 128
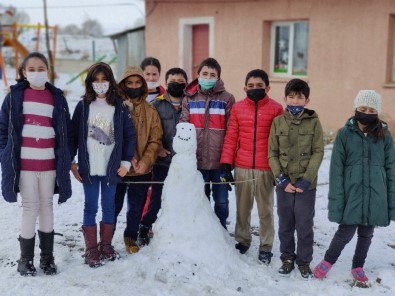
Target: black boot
47, 263
25, 263
143, 238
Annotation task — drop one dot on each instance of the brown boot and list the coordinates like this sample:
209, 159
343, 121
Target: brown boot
92, 255
130, 244
107, 251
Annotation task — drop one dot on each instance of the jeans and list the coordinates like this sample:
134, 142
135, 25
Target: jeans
159, 174
220, 194
343, 236
136, 197
92, 199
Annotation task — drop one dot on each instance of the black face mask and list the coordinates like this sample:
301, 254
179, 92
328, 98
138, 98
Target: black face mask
366, 119
134, 93
176, 89
256, 94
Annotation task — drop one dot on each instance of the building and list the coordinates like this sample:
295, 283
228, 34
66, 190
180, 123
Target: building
338, 47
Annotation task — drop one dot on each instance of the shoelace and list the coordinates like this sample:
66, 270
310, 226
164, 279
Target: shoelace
305, 269
287, 264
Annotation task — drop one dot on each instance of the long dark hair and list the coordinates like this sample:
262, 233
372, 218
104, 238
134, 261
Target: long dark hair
22, 66
93, 71
376, 130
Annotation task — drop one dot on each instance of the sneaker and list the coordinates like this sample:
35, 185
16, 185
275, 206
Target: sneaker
130, 244
322, 269
305, 271
265, 257
287, 267
359, 274
242, 248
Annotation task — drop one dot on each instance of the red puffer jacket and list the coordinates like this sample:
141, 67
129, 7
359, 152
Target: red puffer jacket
246, 140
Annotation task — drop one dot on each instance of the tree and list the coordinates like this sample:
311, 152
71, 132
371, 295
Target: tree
71, 30
92, 28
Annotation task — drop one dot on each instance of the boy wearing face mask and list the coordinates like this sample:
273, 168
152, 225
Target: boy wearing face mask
134, 90
245, 148
207, 105
296, 149
168, 106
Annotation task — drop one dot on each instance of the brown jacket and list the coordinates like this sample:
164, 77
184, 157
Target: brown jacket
146, 122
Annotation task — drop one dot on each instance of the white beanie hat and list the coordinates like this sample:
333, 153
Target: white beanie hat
369, 98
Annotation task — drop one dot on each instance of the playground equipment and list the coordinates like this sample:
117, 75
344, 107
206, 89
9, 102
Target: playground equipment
9, 37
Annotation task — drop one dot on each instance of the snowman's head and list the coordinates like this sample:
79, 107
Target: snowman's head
184, 141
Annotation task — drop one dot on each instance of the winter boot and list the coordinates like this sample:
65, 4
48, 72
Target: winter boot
305, 271
265, 257
359, 274
242, 248
143, 238
322, 269
287, 266
92, 255
130, 244
25, 263
47, 263
107, 251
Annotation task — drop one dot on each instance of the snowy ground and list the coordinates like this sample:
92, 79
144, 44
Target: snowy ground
148, 273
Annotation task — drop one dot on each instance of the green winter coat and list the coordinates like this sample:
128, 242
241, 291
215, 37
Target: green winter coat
296, 146
362, 178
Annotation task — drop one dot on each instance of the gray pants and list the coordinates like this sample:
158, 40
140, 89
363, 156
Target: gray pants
296, 212
343, 236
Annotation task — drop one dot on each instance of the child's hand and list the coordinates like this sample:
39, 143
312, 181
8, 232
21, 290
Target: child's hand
290, 188
163, 152
302, 185
141, 167
122, 171
74, 170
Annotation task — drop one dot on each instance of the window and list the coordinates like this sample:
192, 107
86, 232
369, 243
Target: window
289, 48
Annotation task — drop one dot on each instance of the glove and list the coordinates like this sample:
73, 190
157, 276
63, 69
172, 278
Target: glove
282, 181
302, 184
226, 175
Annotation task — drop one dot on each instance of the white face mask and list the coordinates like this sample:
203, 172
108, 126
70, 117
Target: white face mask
101, 88
37, 79
152, 84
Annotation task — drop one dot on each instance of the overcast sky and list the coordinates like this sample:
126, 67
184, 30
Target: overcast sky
114, 15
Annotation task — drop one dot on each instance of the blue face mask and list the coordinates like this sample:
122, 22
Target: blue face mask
295, 110
207, 83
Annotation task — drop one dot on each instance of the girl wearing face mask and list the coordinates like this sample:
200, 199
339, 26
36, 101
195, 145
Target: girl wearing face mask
361, 183
151, 68
35, 158
146, 121
104, 136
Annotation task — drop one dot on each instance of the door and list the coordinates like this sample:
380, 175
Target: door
200, 46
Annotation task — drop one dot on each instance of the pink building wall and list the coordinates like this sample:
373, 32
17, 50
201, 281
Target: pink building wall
350, 46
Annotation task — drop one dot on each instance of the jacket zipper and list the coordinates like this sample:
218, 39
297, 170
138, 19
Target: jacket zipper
254, 143
13, 145
84, 142
114, 151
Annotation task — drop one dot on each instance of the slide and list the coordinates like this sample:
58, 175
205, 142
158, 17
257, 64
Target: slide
19, 48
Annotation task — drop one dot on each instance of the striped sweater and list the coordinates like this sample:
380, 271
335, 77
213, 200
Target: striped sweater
38, 135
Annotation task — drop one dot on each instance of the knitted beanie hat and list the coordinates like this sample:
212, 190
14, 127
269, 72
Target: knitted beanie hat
368, 98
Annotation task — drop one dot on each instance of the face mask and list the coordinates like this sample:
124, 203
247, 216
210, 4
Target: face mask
134, 93
176, 89
100, 88
207, 83
37, 79
256, 94
152, 84
366, 119
295, 110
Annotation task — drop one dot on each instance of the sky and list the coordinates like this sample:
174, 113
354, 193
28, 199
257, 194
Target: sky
114, 15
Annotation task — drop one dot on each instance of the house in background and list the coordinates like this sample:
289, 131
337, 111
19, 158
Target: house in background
130, 48
338, 47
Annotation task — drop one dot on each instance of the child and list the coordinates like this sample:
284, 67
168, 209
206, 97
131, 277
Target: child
151, 68
245, 147
296, 149
146, 121
207, 105
168, 107
104, 136
361, 183
35, 158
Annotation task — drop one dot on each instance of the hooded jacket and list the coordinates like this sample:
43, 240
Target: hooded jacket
146, 122
296, 146
246, 140
11, 124
209, 111
362, 178
169, 117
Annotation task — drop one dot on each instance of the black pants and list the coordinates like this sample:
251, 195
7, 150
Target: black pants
136, 197
343, 236
159, 173
296, 213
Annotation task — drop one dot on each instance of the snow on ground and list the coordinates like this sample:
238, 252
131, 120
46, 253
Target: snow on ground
149, 273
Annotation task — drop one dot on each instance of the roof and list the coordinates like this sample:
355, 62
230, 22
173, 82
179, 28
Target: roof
124, 32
